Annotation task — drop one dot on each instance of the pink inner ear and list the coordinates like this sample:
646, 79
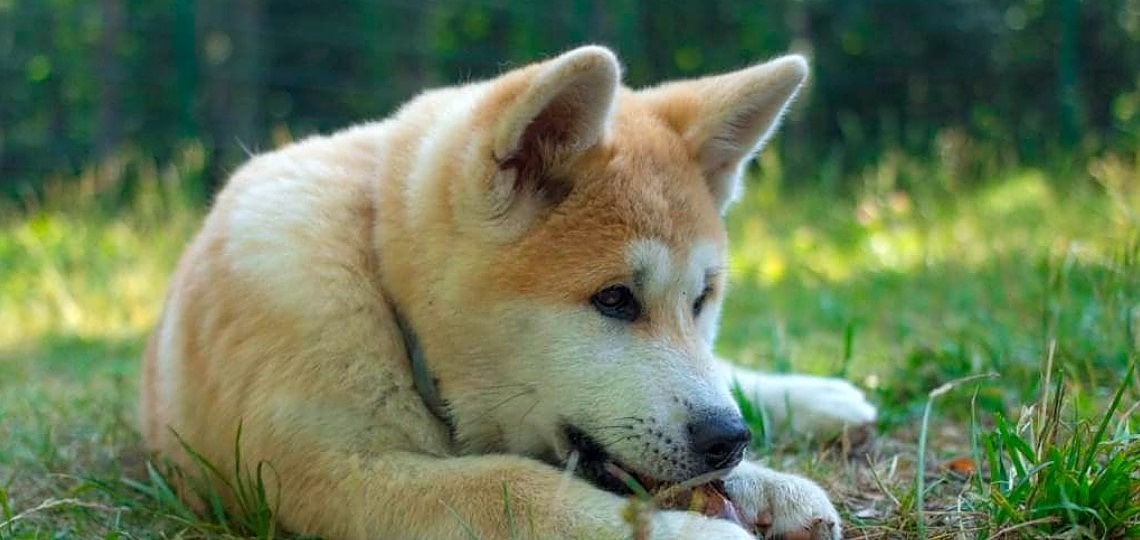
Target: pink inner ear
569, 124
558, 114
542, 141
550, 129
720, 156
738, 137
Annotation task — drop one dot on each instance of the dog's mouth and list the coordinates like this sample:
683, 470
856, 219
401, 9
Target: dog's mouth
592, 462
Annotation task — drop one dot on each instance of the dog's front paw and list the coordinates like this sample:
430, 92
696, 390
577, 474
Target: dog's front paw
782, 505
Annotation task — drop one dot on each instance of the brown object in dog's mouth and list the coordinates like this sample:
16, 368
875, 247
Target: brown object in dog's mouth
708, 499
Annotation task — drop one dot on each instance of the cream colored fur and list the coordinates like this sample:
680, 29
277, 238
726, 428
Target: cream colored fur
486, 217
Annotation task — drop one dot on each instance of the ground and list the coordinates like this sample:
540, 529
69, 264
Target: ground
995, 323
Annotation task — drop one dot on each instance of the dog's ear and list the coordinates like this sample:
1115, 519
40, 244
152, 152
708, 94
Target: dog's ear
550, 113
726, 119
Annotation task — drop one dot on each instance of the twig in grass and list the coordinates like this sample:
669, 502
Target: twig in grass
1022, 525
881, 485
920, 479
894, 467
1043, 419
55, 503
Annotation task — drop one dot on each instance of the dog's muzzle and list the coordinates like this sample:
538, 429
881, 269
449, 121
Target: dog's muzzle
716, 442
719, 439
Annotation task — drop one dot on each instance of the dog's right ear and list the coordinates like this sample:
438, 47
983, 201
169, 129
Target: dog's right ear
725, 119
549, 114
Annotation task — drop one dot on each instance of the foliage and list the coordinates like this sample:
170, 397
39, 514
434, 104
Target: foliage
974, 83
956, 196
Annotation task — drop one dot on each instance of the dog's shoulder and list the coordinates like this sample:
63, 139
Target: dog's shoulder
296, 222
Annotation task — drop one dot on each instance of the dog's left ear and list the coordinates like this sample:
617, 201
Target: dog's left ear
726, 119
555, 112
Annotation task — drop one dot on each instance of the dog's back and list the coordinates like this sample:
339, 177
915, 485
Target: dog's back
544, 249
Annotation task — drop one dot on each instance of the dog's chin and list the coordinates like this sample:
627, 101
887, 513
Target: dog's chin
594, 464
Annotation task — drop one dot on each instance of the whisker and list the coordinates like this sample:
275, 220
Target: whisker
505, 386
615, 426
508, 400
530, 410
522, 419
616, 439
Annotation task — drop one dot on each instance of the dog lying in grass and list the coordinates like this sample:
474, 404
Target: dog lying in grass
414, 320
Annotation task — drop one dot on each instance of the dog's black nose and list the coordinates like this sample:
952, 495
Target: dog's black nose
719, 439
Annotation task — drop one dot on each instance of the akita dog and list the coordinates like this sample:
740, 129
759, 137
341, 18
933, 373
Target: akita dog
503, 295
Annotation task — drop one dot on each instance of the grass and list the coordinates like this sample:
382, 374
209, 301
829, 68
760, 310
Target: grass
916, 291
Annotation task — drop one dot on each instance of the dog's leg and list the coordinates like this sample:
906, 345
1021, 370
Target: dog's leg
814, 406
785, 505
410, 495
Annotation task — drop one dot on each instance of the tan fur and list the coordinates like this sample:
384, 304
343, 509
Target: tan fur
487, 216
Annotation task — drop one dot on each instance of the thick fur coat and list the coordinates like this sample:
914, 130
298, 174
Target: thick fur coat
552, 246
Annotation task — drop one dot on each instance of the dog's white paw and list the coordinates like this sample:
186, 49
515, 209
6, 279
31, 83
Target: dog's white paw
814, 406
782, 505
676, 525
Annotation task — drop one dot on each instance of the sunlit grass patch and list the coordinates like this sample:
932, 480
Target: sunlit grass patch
905, 291
939, 271
91, 257
898, 287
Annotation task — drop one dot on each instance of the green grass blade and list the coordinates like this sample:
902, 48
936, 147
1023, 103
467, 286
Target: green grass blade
508, 512
1113, 406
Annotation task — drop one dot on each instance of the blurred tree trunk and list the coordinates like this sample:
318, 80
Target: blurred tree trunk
246, 77
109, 65
185, 67
656, 56
54, 87
1067, 78
397, 65
427, 73
630, 44
797, 139
231, 46
602, 22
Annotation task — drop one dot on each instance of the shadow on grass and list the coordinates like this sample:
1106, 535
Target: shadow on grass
70, 357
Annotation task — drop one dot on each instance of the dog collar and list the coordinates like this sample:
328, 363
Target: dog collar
421, 377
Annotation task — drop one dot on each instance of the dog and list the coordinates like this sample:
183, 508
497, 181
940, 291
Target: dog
460, 320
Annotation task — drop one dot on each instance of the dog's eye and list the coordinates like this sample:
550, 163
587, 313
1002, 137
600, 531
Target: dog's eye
700, 303
617, 302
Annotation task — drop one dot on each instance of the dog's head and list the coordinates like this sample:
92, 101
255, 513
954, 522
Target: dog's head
587, 262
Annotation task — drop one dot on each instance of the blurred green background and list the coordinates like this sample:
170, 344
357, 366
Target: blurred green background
980, 85
957, 192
